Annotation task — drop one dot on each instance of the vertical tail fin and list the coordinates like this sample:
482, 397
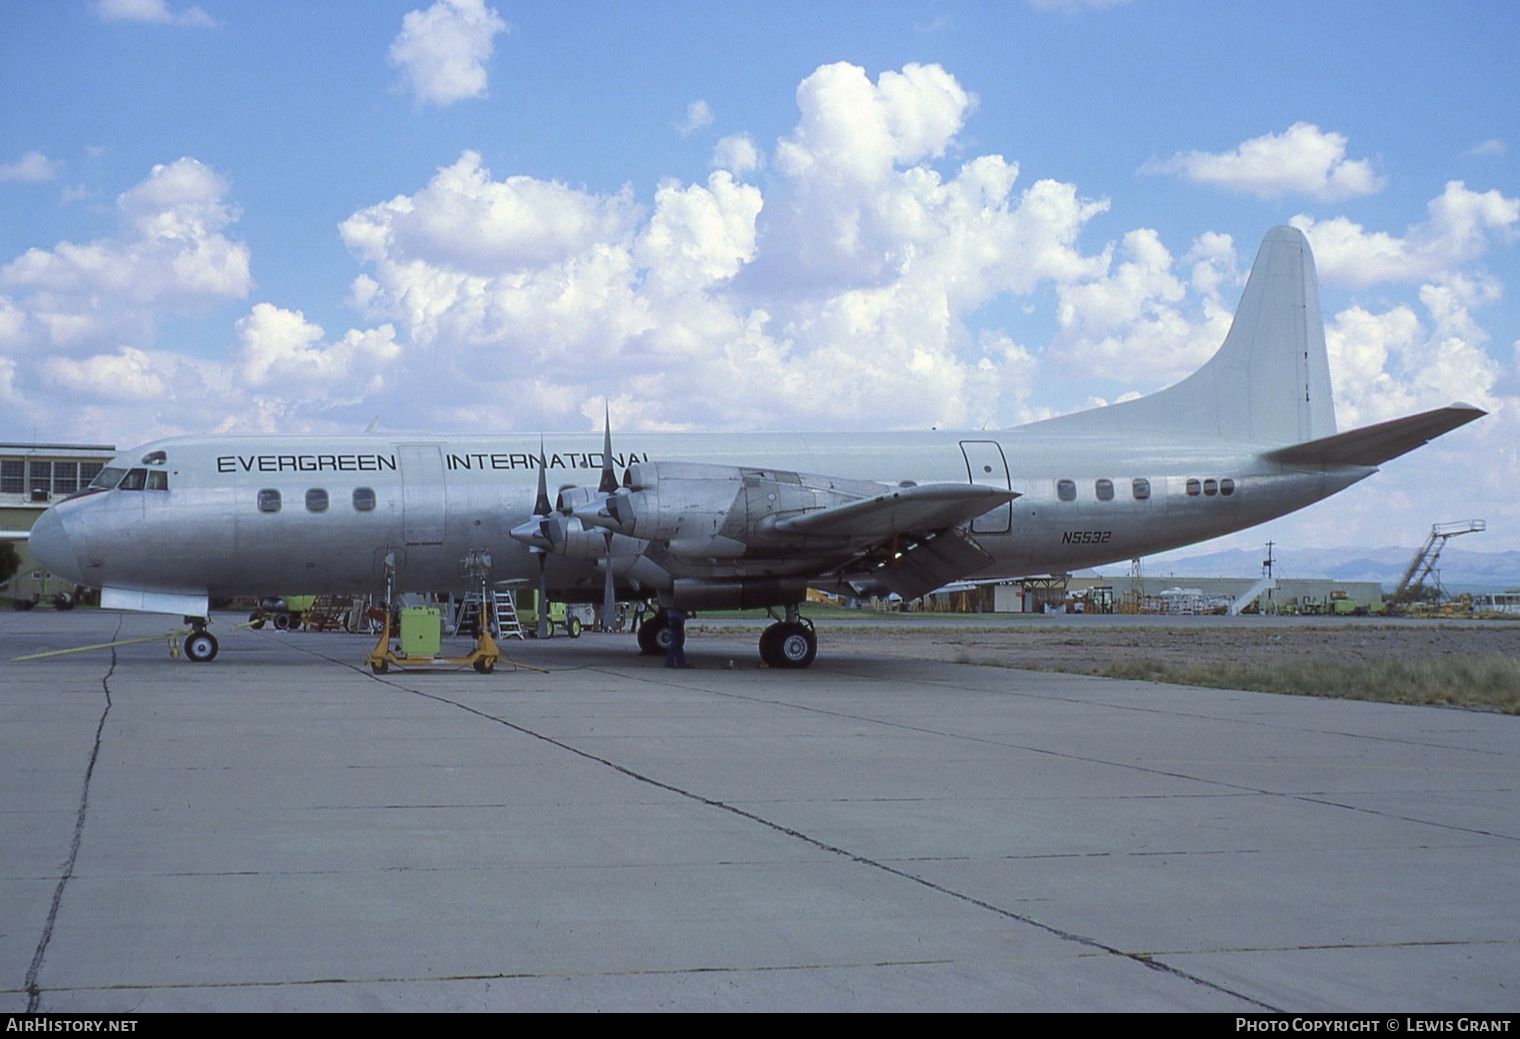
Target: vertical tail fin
1269, 383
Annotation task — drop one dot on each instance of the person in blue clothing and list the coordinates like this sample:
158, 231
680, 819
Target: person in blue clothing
675, 653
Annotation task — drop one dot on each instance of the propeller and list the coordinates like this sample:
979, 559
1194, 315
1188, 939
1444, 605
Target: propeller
608, 486
541, 509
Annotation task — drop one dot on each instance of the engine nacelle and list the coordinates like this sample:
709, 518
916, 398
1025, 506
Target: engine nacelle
714, 511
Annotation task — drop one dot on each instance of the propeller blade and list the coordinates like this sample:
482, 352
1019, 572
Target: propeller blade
609, 479
541, 505
609, 592
543, 598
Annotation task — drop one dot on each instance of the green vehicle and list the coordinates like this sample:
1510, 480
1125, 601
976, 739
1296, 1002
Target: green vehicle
561, 619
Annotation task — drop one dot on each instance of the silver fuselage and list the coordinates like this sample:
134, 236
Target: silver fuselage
438, 499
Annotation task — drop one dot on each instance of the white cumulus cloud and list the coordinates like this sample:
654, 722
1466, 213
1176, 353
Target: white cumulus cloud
1301, 160
442, 51
154, 12
699, 114
1461, 225
32, 166
169, 253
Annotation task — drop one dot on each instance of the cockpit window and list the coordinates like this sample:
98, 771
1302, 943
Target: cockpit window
158, 480
134, 481
154, 458
108, 478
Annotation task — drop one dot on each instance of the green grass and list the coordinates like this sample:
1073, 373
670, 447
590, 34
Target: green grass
1489, 680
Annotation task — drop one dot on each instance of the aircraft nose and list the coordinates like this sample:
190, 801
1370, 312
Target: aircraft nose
49, 545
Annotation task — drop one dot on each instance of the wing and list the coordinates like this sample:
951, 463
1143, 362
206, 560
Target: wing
1376, 444
925, 508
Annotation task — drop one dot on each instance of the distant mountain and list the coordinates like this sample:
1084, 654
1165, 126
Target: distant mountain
1461, 570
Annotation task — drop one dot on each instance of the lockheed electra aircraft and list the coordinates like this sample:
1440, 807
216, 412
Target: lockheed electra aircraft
713, 521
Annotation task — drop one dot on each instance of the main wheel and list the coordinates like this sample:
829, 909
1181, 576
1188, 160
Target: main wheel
786, 645
654, 635
201, 647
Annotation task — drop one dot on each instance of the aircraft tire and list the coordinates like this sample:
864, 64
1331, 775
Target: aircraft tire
791, 646
201, 647
654, 635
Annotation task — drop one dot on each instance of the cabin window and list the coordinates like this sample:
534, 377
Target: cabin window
1141, 488
1104, 490
364, 499
1194, 488
1066, 490
316, 500
108, 478
269, 501
134, 480
158, 480
1211, 487
1227, 487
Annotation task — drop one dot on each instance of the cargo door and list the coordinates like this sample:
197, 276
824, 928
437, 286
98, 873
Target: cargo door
424, 500
985, 465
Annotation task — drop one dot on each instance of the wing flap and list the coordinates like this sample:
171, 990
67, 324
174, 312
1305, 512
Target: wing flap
933, 506
1376, 444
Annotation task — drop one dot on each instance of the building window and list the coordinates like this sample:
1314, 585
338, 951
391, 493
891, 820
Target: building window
40, 480
1227, 487
364, 499
1141, 488
269, 501
1066, 490
1194, 488
12, 477
1104, 490
316, 500
88, 471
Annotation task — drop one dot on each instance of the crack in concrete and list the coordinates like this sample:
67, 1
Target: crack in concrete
762, 968
33, 992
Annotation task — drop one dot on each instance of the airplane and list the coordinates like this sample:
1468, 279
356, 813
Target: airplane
715, 521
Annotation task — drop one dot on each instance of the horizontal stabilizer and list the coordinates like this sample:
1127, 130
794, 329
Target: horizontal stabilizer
924, 508
1376, 444
932, 563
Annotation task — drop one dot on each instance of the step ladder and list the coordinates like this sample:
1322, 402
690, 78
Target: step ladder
504, 623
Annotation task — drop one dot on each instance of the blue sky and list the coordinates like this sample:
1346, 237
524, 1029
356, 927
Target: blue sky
467, 215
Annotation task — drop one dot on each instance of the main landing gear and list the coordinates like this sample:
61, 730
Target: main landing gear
789, 643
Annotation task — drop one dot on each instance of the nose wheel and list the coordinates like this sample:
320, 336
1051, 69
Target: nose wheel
200, 647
